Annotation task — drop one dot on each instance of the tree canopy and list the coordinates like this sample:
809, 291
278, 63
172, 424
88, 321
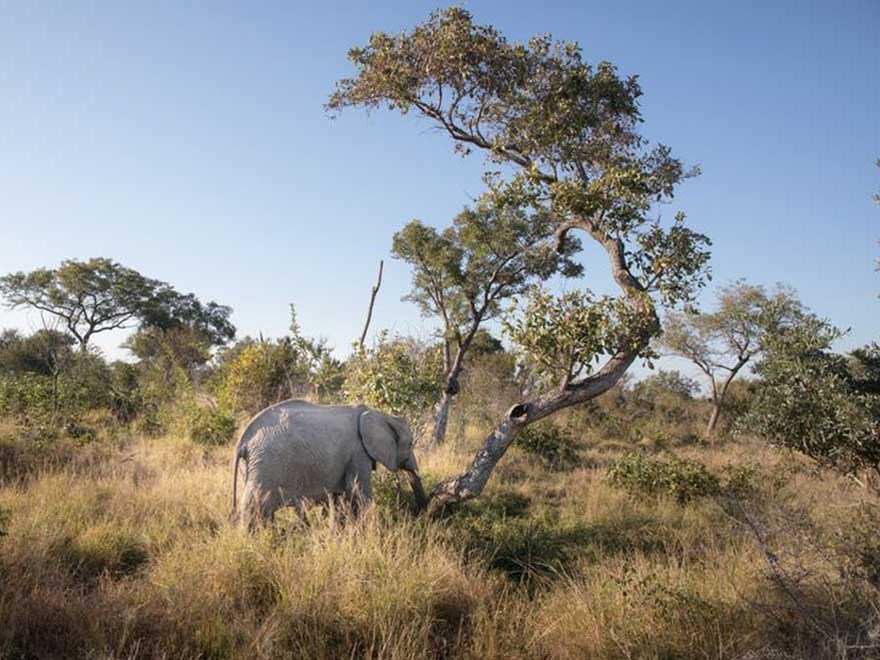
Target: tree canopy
464, 273
815, 401
561, 136
98, 295
723, 341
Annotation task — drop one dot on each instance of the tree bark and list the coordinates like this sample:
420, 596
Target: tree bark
55, 394
718, 396
451, 386
713, 419
441, 419
473, 480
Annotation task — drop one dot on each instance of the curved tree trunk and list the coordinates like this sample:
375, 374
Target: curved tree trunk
473, 480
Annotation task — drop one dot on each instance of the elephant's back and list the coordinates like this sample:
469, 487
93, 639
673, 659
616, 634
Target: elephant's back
301, 456
291, 413
273, 415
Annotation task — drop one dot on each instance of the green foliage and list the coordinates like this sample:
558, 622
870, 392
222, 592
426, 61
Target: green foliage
722, 342
126, 398
254, 375
29, 396
98, 295
552, 444
397, 376
324, 372
45, 352
161, 388
562, 338
488, 254
864, 368
730, 335
683, 480
209, 426
808, 400
568, 131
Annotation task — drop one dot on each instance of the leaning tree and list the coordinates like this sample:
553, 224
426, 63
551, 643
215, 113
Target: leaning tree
464, 274
562, 137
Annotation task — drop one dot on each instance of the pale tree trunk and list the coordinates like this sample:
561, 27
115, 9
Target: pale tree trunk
713, 418
441, 419
718, 396
473, 480
451, 386
55, 376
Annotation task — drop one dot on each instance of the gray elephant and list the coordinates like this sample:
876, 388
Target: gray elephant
296, 452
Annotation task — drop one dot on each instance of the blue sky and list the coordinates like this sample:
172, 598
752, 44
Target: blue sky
189, 141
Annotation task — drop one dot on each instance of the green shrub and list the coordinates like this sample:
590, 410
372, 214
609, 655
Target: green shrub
552, 444
396, 375
683, 480
254, 375
206, 426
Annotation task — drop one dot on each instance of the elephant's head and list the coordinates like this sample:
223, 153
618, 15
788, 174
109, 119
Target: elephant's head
389, 441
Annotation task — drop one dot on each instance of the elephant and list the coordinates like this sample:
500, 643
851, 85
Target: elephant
296, 452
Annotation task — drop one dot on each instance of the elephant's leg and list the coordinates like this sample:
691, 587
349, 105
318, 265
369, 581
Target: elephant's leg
358, 489
251, 513
269, 503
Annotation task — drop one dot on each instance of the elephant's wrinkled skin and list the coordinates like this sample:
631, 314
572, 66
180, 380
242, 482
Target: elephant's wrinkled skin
296, 451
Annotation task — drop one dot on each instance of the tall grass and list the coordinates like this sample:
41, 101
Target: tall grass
130, 554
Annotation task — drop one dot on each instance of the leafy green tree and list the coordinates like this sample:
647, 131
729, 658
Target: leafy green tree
561, 137
89, 297
398, 375
809, 399
463, 275
722, 342
98, 295
864, 365
47, 352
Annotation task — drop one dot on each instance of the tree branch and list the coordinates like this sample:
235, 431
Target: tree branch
373, 295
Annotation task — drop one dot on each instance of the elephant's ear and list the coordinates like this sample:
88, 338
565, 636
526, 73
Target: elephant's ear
380, 439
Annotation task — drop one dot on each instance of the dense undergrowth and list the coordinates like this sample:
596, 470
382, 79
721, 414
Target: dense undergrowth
123, 549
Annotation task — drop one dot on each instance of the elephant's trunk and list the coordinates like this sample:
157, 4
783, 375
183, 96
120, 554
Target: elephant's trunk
421, 498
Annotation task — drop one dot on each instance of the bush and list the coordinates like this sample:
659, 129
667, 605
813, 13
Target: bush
553, 445
206, 426
815, 402
681, 479
254, 375
397, 376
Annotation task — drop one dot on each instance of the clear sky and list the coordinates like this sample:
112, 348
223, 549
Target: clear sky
189, 141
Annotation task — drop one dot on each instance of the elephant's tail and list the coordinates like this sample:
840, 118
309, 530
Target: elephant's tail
238, 456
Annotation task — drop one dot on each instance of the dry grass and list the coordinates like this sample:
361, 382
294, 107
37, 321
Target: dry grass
129, 554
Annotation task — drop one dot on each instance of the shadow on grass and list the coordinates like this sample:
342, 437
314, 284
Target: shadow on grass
535, 550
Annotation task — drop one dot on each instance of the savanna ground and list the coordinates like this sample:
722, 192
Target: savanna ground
123, 549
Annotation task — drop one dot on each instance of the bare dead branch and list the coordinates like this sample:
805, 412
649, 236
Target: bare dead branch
373, 295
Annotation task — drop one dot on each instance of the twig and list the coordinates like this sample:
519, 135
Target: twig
373, 294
